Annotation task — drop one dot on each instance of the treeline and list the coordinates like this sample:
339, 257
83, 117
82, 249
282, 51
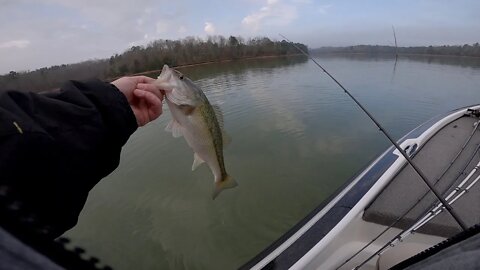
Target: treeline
455, 50
153, 56
193, 51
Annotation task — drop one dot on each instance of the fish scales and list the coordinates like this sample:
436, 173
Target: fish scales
214, 129
194, 118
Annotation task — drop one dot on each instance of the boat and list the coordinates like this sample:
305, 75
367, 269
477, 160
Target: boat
385, 214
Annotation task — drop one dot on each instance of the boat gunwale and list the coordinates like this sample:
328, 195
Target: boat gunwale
378, 166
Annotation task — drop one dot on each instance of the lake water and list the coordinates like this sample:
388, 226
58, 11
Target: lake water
296, 138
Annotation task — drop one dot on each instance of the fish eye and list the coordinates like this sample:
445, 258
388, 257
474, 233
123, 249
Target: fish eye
180, 75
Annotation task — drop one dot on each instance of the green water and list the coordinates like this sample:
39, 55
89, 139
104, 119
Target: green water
296, 139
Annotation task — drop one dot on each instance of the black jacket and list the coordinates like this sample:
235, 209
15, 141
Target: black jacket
55, 147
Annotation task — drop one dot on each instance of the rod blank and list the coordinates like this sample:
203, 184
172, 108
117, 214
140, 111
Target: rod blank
409, 160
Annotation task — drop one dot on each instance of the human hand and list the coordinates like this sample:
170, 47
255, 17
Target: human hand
144, 98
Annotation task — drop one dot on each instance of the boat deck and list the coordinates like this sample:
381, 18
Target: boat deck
407, 188
338, 233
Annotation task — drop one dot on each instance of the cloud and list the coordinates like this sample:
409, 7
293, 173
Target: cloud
182, 29
302, 1
20, 44
147, 11
209, 28
162, 27
323, 9
67, 31
274, 13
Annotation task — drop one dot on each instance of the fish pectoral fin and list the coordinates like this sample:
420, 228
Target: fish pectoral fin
175, 128
186, 108
197, 161
227, 182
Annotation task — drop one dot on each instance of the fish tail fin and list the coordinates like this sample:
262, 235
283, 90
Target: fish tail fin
225, 183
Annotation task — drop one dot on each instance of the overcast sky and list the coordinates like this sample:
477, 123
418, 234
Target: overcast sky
42, 33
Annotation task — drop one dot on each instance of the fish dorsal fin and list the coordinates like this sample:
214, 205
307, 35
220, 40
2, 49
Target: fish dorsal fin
175, 128
197, 161
226, 139
218, 115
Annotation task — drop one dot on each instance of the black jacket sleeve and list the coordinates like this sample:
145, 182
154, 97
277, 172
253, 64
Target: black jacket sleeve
55, 147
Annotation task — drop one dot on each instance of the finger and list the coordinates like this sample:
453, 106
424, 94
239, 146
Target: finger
150, 88
142, 105
152, 100
151, 103
154, 106
144, 79
139, 93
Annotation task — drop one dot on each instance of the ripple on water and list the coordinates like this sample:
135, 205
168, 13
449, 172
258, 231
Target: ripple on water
296, 137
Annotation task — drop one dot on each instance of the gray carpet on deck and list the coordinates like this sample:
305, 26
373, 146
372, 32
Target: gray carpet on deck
407, 187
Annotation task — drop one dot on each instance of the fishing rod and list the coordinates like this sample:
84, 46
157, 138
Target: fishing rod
404, 154
462, 172
427, 215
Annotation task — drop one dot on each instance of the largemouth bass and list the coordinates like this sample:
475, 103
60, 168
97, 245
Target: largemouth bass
199, 122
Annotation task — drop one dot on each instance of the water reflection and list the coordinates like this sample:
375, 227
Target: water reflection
238, 68
467, 62
296, 138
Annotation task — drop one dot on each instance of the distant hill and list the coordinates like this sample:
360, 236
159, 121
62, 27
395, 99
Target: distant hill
455, 50
153, 56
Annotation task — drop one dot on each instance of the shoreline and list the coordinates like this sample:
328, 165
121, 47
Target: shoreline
393, 55
213, 62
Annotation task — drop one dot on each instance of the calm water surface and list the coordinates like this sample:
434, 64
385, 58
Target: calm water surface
296, 139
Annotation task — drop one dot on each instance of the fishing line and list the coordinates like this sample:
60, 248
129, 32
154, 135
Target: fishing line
462, 171
404, 154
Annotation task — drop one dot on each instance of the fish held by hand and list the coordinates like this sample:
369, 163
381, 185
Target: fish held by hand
199, 122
